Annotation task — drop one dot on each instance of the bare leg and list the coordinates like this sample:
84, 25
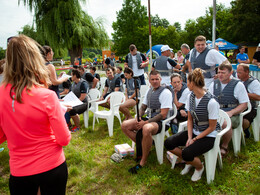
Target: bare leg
226, 138
129, 128
196, 163
246, 124
76, 120
148, 130
124, 108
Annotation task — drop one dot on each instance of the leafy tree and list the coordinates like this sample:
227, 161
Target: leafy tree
156, 21
65, 25
130, 18
2, 53
92, 55
245, 21
177, 26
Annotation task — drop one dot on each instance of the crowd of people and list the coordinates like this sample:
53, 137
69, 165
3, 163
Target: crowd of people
194, 84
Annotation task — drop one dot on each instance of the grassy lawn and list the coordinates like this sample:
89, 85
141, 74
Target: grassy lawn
92, 172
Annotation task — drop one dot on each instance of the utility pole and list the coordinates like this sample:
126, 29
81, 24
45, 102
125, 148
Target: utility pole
150, 36
214, 24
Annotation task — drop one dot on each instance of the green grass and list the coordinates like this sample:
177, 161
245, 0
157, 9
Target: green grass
92, 172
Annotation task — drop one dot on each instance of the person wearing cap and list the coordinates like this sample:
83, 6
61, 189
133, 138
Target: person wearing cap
165, 65
137, 62
256, 57
242, 57
206, 59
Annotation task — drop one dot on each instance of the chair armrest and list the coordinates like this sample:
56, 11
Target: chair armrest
168, 119
101, 102
90, 101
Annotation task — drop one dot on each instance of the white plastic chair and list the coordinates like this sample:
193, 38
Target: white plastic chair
102, 84
159, 138
238, 133
212, 155
255, 125
143, 90
94, 95
116, 99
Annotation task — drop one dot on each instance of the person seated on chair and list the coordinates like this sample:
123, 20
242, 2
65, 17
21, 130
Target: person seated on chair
112, 84
158, 101
92, 70
181, 92
202, 126
80, 89
120, 73
253, 90
87, 76
129, 93
232, 97
66, 85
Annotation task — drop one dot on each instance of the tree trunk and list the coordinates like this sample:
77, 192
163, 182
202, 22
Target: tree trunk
75, 52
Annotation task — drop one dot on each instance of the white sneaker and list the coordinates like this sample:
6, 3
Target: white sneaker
186, 169
197, 174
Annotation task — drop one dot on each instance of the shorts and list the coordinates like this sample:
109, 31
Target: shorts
235, 121
251, 115
159, 125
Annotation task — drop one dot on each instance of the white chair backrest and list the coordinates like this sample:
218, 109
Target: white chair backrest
116, 98
143, 90
102, 83
223, 116
94, 94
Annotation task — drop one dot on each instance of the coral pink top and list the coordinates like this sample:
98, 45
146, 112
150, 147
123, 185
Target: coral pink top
35, 130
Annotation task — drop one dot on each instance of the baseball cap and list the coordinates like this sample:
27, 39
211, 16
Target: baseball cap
165, 48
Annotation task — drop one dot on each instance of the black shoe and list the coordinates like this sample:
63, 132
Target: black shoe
247, 133
134, 169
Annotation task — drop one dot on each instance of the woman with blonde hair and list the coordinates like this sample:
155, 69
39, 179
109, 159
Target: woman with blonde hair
32, 121
203, 112
48, 56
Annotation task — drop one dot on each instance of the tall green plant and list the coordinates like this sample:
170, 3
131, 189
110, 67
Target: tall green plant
65, 25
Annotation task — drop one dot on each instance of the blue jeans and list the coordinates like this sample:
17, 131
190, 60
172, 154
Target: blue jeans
142, 79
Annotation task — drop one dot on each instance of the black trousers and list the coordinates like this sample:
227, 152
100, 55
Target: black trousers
198, 148
52, 182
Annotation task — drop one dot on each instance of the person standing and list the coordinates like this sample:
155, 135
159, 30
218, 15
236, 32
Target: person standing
180, 57
256, 57
165, 65
48, 55
206, 59
242, 57
137, 62
32, 122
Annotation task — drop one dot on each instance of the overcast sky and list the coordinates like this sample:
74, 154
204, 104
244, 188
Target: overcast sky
14, 17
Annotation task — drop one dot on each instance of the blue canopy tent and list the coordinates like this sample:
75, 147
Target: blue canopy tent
156, 50
223, 44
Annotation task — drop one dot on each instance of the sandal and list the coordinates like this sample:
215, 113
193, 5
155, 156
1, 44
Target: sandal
223, 151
